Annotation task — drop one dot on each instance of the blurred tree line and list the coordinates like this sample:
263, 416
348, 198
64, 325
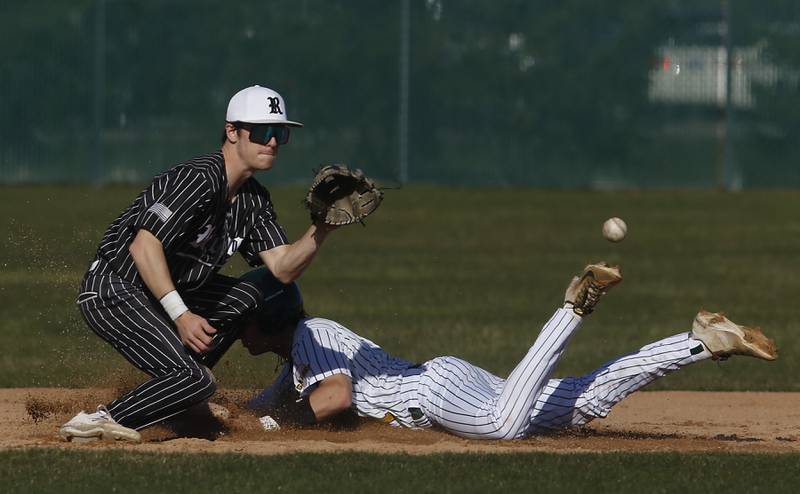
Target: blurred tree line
525, 92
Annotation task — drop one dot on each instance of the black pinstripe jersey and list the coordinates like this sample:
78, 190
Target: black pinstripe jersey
188, 210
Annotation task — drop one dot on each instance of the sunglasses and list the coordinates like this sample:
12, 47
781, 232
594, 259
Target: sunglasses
262, 133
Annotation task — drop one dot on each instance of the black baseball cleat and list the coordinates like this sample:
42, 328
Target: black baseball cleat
585, 291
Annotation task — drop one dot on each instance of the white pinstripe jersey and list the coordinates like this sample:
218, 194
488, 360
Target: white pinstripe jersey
188, 210
469, 401
384, 387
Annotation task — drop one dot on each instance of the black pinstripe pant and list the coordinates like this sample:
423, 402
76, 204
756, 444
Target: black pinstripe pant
136, 326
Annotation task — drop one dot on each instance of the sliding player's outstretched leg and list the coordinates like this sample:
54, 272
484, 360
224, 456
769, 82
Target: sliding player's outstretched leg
526, 381
576, 401
471, 402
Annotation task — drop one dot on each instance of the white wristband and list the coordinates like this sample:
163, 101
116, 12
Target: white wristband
173, 304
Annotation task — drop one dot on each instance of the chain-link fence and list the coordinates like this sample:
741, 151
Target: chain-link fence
619, 93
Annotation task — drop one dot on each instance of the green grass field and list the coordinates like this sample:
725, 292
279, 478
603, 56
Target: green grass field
20, 471
471, 272
466, 272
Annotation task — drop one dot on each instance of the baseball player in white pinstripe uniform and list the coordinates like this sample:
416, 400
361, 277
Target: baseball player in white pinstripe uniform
153, 291
331, 369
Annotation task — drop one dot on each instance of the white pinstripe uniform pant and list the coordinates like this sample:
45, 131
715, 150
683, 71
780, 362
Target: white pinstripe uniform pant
137, 327
471, 402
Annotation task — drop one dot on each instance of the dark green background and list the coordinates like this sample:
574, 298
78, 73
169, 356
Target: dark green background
147, 86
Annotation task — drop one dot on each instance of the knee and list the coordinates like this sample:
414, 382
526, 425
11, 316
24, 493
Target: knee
208, 377
511, 431
503, 433
209, 382
203, 382
505, 426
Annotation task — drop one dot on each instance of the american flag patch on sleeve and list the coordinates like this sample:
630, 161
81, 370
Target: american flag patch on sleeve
160, 210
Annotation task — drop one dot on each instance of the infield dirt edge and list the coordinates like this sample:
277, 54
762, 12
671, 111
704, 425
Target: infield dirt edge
647, 422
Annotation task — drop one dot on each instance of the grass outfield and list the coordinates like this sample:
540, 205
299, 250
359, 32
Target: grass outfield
467, 272
44, 471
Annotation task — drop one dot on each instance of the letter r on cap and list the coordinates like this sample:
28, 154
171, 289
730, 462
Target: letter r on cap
274, 105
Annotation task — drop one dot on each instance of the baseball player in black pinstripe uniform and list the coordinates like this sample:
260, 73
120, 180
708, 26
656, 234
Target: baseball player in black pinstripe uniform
153, 291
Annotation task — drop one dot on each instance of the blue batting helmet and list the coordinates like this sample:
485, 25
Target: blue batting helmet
281, 301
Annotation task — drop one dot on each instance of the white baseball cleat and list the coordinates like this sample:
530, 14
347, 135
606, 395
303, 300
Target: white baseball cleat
94, 426
723, 338
585, 291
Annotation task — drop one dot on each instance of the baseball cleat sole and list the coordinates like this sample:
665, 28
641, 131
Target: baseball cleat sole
75, 435
78, 436
723, 338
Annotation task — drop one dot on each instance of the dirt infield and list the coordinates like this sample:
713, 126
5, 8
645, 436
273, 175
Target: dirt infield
647, 422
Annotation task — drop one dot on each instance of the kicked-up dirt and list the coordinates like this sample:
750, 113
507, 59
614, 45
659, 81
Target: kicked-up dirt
679, 421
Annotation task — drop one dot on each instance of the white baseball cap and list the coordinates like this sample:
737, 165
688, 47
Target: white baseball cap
256, 104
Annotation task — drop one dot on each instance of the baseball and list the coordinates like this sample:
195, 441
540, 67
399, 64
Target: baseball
614, 229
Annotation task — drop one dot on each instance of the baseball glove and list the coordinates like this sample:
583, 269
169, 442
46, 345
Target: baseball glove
341, 196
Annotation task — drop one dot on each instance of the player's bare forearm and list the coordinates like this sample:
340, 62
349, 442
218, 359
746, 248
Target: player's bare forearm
288, 262
151, 263
333, 395
148, 256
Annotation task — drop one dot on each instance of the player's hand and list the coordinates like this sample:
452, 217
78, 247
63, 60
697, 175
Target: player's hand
195, 331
